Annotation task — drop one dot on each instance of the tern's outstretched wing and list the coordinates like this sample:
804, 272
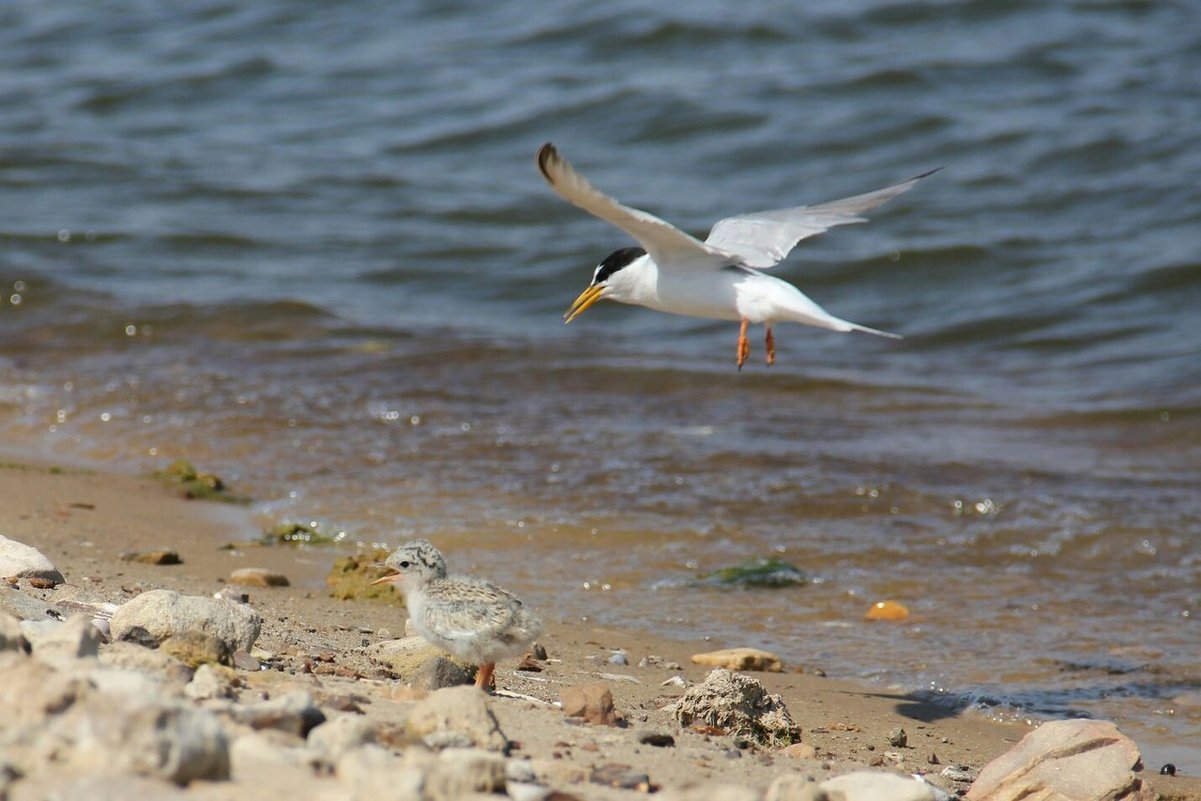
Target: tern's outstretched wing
663, 241
763, 238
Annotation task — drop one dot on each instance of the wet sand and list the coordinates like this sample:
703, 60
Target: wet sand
83, 520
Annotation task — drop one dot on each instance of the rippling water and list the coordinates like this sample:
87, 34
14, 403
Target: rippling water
305, 245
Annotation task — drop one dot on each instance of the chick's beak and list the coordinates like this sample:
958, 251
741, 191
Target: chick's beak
581, 304
391, 577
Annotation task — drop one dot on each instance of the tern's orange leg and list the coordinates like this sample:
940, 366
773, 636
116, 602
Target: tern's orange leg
744, 345
483, 676
771, 347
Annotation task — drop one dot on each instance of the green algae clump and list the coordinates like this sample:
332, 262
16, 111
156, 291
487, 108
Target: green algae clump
351, 576
770, 572
196, 485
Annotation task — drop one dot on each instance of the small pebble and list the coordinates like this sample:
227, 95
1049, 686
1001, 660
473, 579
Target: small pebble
657, 739
887, 610
675, 681
1168, 770
958, 773
162, 557
619, 658
898, 738
539, 652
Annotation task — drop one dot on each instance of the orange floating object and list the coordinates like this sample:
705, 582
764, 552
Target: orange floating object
887, 610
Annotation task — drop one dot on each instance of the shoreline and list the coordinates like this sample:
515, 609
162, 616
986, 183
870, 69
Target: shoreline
85, 519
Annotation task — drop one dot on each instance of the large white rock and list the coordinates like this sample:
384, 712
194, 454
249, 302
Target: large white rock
1064, 760
25, 561
867, 785
154, 616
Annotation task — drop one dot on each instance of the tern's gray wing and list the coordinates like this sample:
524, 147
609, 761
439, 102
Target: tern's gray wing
763, 238
664, 242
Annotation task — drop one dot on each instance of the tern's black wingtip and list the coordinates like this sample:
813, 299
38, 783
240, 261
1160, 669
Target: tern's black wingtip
926, 174
545, 154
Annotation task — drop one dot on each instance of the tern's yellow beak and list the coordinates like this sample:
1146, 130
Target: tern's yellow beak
581, 304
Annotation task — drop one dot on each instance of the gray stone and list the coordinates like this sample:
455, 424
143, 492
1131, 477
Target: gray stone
110, 733
25, 561
26, 607
738, 705
336, 736
866, 785
63, 643
1067, 760
11, 636
154, 616
459, 711
294, 713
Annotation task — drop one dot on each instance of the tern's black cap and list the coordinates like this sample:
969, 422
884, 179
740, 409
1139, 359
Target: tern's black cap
615, 261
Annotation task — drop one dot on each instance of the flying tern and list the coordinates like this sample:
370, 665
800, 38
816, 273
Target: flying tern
720, 278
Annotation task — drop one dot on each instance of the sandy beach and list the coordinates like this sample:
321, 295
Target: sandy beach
85, 520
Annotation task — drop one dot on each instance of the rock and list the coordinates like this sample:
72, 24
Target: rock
420, 664
11, 636
26, 607
897, 738
461, 712
163, 556
800, 751
258, 577
154, 616
675, 681
195, 648
24, 561
891, 611
866, 785
958, 773
63, 643
336, 736
94, 788
740, 706
128, 656
799, 787
622, 777
371, 772
1065, 760
619, 658
711, 792
87, 727
294, 713
592, 702
740, 659
656, 739
210, 682
461, 771
243, 660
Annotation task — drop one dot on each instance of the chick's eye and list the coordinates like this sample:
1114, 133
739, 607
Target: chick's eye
405, 564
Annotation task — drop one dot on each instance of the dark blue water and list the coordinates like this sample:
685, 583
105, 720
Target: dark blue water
305, 245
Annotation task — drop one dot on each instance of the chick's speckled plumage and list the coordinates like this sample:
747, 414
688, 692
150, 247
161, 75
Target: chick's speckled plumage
473, 619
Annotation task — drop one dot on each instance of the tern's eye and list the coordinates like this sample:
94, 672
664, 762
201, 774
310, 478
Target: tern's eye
405, 564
